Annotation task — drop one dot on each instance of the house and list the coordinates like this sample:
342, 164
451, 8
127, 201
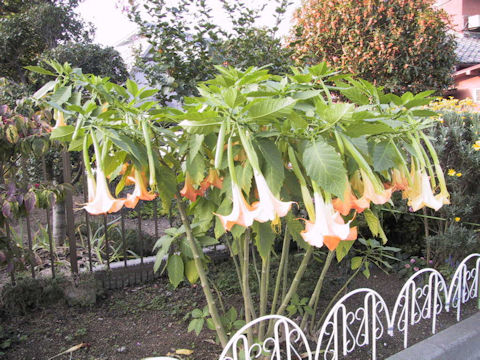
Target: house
465, 16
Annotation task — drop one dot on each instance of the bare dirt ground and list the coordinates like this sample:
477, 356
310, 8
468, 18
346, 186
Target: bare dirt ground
150, 321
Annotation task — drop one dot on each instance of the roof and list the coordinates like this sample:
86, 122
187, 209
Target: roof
468, 50
468, 71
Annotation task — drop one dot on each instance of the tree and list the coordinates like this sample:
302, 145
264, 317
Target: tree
187, 43
91, 58
28, 28
401, 44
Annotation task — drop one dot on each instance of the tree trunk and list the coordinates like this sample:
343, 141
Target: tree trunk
59, 225
72, 241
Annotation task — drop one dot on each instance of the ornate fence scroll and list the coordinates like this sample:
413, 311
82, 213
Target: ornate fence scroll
287, 342
363, 326
423, 297
464, 284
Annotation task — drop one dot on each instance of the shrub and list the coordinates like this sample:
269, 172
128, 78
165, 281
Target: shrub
401, 44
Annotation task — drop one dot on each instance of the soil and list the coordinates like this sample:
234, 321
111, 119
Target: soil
151, 320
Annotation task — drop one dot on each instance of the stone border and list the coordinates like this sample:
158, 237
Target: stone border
459, 341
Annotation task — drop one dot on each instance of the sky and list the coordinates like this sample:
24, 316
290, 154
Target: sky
112, 25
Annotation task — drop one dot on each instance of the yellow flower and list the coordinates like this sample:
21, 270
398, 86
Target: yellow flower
451, 172
458, 174
476, 146
457, 219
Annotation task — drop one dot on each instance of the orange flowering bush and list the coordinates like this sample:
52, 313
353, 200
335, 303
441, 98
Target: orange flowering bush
403, 45
247, 153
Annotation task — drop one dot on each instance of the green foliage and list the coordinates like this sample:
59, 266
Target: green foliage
402, 44
180, 266
91, 58
371, 252
28, 28
181, 54
456, 139
298, 306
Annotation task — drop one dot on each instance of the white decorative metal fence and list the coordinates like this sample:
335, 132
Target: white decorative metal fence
423, 297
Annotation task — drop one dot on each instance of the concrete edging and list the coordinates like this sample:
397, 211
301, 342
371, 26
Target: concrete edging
459, 341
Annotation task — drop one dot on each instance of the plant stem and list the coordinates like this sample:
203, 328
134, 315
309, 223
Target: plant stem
296, 281
313, 302
212, 308
427, 234
246, 288
283, 258
264, 293
255, 265
325, 312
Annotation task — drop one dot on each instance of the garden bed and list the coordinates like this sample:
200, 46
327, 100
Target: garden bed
150, 320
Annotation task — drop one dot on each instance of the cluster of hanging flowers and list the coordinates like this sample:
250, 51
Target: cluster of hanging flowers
101, 201
327, 225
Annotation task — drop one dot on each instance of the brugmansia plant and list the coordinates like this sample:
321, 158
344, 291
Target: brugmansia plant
254, 154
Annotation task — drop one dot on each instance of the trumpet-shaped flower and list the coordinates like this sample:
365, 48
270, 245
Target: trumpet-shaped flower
399, 181
140, 191
211, 179
269, 207
188, 190
59, 118
103, 202
242, 213
349, 202
422, 194
371, 195
91, 188
329, 227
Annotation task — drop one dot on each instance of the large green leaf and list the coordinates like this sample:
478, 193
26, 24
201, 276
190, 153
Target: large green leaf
294, 228
342, 249
264, 237
61, 95
39, 70
195, 143
191, 272
374, 225
368, 128
244, 177
167, 185
196, 168
270, 109
273, 169
163, 245
62, 133
334, 112
175, 269
325, 166
384, 156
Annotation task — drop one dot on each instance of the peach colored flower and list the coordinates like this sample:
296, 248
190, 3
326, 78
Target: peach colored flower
399, 180
60, 119
188, 190
242, 213
422, 194
91, 188
370, 195
103, 202
269, 207
349, 202
211, 179
329, 227
140, 191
